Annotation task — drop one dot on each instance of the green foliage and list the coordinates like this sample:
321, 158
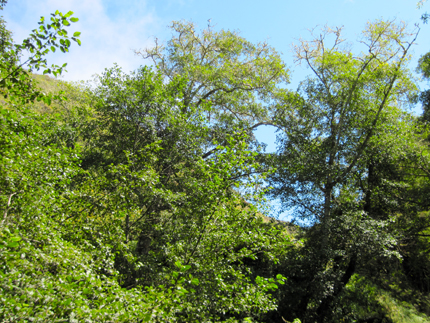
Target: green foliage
424, 65
368, 301
140, 198
230, 78
342, 135
167, 204
44, 276
115, 206
424, 69
15, 81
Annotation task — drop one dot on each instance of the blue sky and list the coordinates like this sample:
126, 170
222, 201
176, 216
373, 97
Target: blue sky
112, 29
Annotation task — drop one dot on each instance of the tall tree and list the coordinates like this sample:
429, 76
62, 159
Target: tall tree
147, 230
230, 78
205, 91
328, 129
169, 205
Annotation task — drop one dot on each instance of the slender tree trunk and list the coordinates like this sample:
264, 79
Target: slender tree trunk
370, 180
325, 220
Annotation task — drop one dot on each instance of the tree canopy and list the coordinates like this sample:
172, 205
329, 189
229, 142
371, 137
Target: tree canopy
142, 197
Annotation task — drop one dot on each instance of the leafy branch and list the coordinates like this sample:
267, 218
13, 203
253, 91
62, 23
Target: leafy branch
15, 80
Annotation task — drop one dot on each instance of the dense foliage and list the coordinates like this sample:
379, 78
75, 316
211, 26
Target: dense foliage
141, 197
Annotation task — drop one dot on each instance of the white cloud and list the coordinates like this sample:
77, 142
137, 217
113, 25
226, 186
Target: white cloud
110, 30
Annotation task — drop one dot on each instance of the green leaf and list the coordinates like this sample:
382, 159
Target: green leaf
47, 99
147, 317
76, 34
13, 244
74, 19
185, 268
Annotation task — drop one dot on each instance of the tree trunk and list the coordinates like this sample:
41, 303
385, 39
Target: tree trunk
325, 307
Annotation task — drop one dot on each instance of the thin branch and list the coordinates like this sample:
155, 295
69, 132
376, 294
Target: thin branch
8, 206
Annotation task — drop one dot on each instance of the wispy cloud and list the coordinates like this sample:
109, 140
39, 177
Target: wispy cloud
110, 30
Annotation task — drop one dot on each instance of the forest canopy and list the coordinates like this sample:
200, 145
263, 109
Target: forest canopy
143, 197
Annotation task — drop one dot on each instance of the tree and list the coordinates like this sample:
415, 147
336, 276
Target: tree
227, 77
168, 205
205, 92
48, 273
329, 131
